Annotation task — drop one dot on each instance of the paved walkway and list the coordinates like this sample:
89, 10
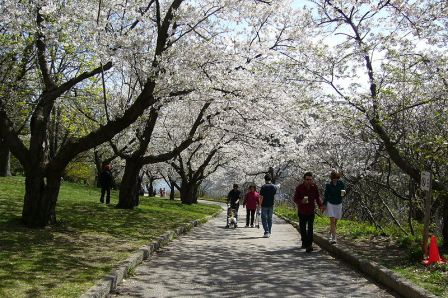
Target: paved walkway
211, 261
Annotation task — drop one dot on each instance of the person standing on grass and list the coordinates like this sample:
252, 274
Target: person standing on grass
267, 193
106, 181
306, 197
334, 191
252, 202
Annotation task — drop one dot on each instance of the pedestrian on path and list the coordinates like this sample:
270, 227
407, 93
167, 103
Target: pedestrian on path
306, 196
267, 193
233, 198
252, 203
334, 191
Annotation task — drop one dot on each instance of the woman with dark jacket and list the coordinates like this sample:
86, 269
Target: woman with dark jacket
106, 183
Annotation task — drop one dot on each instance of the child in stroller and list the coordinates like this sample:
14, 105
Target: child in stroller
232, 217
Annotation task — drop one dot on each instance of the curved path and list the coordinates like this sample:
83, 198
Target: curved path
211, 261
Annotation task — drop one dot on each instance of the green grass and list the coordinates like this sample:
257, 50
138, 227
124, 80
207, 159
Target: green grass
89, 240
407, 264
433, 279
220, 200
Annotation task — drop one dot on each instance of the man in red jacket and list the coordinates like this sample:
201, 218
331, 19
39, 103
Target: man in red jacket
306, 196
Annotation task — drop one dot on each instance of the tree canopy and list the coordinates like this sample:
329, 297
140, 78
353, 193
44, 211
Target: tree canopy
224, 91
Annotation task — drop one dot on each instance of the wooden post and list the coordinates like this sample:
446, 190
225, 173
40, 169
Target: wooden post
426, 185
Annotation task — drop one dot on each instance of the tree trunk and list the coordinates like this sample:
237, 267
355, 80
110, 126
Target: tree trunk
411, 204
272, 174
151, 187
5, 166
445, 222
41, 194
189, 193
98, 168
129, 188
172, 190
53, 131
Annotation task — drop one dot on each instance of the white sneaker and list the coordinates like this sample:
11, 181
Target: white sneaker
266, 235
333, 240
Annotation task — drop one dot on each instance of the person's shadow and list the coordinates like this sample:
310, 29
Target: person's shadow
249, 238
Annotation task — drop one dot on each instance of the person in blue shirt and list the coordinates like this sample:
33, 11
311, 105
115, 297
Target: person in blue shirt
334, 191
267, 193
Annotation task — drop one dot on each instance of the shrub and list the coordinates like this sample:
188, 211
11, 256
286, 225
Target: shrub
16, 167
405, 240
80, 172
415, 253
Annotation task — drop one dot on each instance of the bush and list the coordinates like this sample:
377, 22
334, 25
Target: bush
16, 167
415, 253
80, 172
406, 240
412, 244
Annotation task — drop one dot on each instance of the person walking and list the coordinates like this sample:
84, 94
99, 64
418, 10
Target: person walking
306, 196
106, 181
267, 192
233, 198
251, 202
334, 191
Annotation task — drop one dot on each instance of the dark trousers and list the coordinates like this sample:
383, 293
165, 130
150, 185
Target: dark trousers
105, 190
236, 207
250, 214
306, 229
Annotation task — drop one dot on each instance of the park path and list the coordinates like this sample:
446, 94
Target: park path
211, 261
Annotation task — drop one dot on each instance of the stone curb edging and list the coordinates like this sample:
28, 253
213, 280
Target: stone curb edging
374, 270
109, 282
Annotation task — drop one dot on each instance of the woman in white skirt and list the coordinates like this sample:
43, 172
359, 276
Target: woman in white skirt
334, 191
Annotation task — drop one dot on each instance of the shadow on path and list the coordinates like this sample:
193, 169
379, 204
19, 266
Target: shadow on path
214, 262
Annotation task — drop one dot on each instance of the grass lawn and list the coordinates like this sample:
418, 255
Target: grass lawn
390, 248
90, 239
219, 200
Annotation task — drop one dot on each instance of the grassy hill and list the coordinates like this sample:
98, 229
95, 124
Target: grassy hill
89, 240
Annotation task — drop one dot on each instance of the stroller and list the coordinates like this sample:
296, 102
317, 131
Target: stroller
232, 221
257, 217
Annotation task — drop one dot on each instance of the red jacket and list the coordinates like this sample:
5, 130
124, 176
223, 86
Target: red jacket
313, 197
251, 200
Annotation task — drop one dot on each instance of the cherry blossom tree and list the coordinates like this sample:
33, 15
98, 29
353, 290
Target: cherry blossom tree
80, 47
136, 158
383, 59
